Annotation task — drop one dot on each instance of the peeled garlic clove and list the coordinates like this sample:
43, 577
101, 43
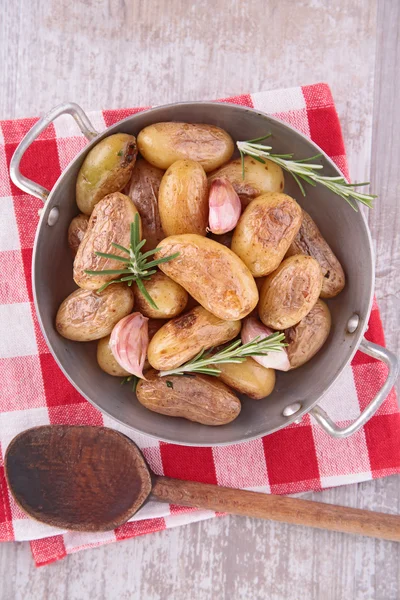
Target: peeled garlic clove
251, 329
129, 341
224, 206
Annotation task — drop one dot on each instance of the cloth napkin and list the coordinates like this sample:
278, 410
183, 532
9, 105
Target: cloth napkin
35, 392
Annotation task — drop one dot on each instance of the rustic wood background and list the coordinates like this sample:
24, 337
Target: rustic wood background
116, 53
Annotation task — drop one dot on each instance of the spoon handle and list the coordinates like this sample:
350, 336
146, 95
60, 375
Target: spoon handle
278, 508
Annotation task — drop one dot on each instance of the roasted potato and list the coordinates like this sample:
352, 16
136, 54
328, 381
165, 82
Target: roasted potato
307, 337
200, 398
169, 296
183, 199
110, 222
106, 169
265, 231
182, 338
258, 179
164, 143
106, 360
248, 378
290, 292
76, 231
310, 241
211, 273
143, 190
86, 315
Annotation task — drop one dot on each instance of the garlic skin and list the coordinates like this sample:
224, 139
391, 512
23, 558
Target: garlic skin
129, 341
251, 329
224, 206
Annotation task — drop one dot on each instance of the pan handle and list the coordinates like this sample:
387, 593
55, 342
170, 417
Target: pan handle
70, 108
393, 364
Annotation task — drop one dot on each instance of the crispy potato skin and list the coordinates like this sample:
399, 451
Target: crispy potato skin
310, 241
289, 293
169, 296
265, 231
76, 231
307, 337
211, 273
258, 178
162, 144
106, 360
182, 338
109, 222
143, 190
183, 199
106, 169
201, 398
248, 378
85, 315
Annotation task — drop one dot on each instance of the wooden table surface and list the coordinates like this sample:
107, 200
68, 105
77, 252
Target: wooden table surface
116, 53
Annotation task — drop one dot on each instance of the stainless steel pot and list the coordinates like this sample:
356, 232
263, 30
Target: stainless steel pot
297, 392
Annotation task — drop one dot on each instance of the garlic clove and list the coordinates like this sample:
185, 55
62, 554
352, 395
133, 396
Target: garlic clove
224, 206
129, 341
251, 329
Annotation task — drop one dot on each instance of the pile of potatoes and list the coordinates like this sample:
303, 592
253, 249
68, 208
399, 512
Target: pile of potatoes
274, 266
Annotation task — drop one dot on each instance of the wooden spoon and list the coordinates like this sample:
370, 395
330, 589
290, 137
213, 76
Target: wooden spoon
95, 479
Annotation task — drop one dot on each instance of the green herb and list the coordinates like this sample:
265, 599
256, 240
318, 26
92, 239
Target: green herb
132, 378
120, 153
136, 267
303, 170
234, 353
169, 384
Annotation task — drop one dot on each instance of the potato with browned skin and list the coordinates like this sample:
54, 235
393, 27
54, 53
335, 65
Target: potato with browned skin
259, 178
200, 398
86, 315
106, 360
162, 144
248, 378
143, 189
265, 231
290, 292
211, 273
169, 296
307, 337
107, 168
310, 241
76, 231
183, 199
110, 222
182, 338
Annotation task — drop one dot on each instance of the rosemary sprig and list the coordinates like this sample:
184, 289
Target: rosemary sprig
303, 170
135, 265
234, 353
134, 379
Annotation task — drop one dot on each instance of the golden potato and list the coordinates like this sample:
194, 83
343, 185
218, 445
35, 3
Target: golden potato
183, 199
169, 296
307, 337
248, 378
182, 338
106, 169
110, 222
164, 143
289, 293
265, 231
86, 315
200, 398
211, 273
106, 360
310, 241
143, 190
258, 179
76, 231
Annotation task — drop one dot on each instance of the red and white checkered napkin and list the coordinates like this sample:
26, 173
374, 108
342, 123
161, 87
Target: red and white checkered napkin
35, 392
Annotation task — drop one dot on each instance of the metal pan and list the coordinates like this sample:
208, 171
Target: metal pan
297, 392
